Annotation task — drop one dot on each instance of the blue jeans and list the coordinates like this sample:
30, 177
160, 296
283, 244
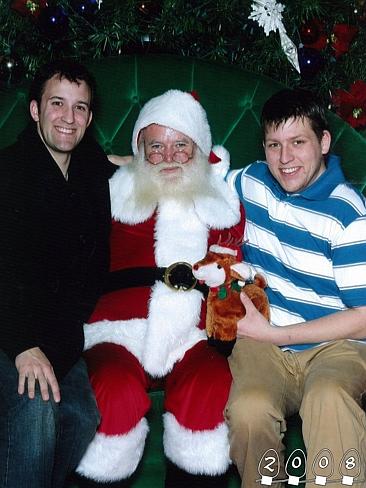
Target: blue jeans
41, 442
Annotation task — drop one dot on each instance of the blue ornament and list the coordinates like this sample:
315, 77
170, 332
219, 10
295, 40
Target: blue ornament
85, 8
53, 22
310, 62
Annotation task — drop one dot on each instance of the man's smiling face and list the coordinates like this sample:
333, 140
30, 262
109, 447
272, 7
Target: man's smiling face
63, 115
294, 153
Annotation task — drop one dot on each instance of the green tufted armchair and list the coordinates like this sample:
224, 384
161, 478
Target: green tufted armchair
233, 99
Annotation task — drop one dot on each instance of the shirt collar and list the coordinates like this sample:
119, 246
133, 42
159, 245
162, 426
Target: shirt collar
322, 186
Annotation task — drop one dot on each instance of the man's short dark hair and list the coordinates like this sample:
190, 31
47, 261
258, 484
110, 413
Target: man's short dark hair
294, 103
64, 68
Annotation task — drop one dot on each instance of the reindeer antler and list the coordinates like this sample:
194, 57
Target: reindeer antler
231, 241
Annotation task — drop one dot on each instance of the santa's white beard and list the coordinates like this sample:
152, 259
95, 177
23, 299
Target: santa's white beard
153, 185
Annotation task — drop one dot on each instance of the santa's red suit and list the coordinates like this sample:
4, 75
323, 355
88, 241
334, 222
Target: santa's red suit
138, 334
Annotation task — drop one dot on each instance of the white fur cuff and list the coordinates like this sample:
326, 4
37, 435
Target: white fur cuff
115, 457
197, 452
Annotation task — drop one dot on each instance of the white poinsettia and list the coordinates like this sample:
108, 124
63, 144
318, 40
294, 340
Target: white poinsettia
268, 14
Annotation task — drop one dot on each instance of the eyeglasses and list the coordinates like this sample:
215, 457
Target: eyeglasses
158, 155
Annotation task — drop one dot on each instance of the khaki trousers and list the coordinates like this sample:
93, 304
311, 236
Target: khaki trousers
324, 384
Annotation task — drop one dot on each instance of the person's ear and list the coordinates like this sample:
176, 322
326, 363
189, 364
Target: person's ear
325, 141
140, 137
33, 109
90, 118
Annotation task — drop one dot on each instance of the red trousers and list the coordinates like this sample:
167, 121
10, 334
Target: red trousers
196, 390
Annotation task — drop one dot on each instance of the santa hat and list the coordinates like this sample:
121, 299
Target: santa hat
179, 111
217, 249
231, 246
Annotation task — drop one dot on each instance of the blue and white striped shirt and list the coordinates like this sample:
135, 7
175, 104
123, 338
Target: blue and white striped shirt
311, 245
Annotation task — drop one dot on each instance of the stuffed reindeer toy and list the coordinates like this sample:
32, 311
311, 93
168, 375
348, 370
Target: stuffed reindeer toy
226, 277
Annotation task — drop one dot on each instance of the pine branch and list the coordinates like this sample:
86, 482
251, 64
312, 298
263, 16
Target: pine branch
206, 29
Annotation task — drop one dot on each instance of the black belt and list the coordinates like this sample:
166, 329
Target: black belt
178, 276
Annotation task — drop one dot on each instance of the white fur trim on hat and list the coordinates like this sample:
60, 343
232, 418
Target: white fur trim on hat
179, 111
197, 452
222, 250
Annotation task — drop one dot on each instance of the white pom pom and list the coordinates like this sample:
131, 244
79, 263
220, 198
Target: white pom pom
223, 166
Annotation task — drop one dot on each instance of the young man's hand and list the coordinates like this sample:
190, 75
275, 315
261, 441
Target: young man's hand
32, 366
253, 325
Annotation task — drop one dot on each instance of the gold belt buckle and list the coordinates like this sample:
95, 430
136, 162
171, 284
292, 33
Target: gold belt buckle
184, 272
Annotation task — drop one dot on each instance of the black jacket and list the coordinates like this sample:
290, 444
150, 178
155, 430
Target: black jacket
54, 247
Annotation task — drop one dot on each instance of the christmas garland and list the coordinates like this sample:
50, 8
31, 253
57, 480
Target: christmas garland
316, 44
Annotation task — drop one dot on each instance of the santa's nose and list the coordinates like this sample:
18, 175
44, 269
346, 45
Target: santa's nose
169, 155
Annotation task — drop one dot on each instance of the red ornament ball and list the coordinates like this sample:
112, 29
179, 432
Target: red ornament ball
310, 32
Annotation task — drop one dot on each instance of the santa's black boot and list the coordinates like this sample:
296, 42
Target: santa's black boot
177, 478
82, 482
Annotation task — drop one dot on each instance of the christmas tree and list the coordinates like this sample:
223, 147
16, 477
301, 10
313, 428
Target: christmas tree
316, 44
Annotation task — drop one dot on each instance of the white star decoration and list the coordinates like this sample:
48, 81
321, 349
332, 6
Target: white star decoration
268, 14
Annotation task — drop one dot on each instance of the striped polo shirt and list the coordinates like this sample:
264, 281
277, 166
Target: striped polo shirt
311, 245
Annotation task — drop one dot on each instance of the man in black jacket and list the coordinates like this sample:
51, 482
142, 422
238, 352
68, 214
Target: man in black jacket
55, 220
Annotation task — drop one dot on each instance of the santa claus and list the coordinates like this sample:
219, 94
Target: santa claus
168, 206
